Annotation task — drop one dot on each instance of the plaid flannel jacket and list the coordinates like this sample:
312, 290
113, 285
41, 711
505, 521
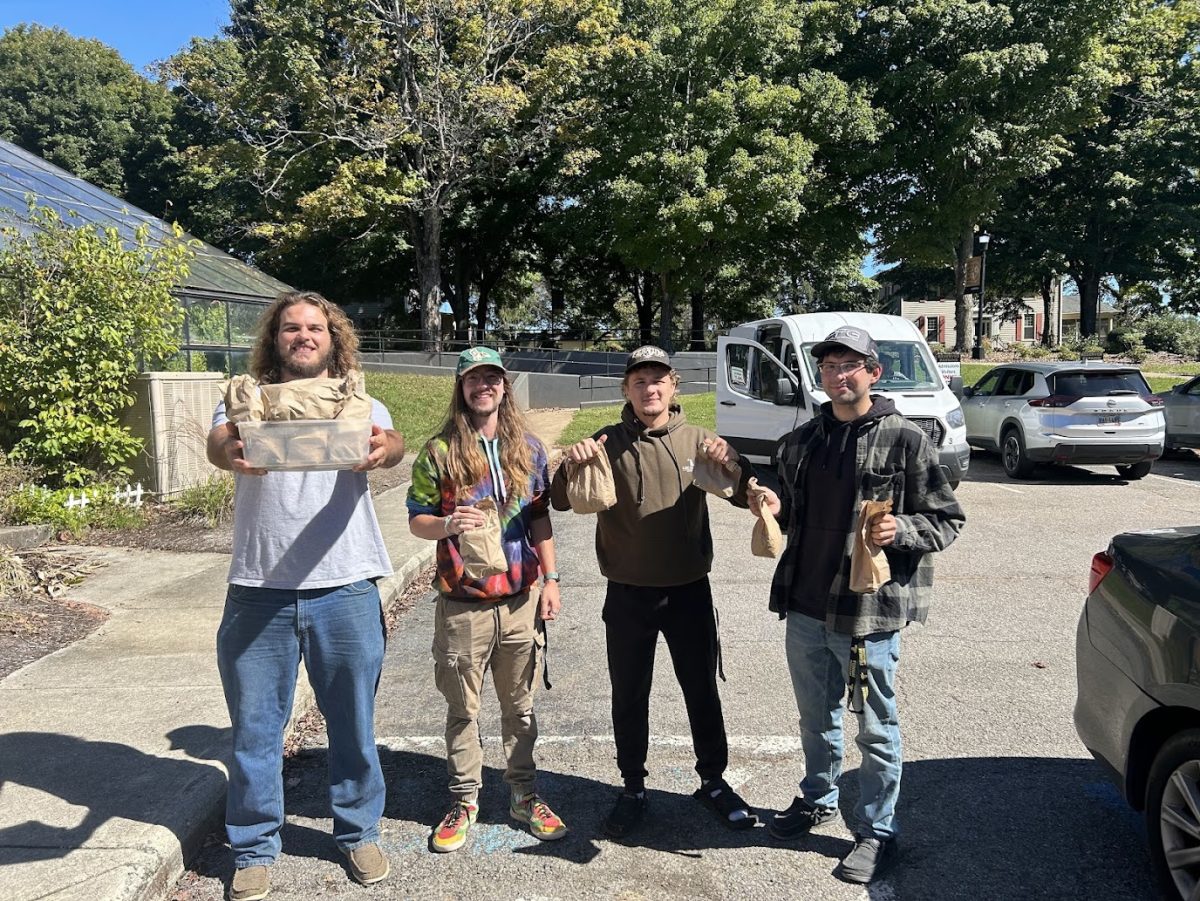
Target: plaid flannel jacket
893, 458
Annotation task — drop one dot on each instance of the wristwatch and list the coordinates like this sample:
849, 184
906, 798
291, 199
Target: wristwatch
551, 576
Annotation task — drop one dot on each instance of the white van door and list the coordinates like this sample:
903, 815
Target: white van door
759, 400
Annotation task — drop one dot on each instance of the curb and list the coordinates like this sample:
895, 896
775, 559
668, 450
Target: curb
19, 538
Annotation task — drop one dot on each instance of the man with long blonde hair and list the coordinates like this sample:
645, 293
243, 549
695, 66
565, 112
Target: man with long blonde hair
307, 553
484, 451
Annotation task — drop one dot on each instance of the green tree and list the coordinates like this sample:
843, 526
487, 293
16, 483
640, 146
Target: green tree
381, 119
716, 143
79, 307
78, 104
1125, 202
977, 96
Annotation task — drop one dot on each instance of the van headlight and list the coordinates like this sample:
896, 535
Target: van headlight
954, 418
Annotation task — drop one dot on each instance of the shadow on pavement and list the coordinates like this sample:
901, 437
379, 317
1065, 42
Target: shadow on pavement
110, 780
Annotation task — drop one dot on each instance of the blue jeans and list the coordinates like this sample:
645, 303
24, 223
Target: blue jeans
264, 634
819, 661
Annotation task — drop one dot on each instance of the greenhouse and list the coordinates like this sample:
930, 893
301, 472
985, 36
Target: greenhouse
222, 297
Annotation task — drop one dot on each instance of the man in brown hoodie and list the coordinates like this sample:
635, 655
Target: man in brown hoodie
655, 548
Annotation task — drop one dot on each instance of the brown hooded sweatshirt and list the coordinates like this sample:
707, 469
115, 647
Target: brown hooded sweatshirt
657, 535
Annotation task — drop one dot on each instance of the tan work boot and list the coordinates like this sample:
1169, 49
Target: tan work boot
368, 864
250, 884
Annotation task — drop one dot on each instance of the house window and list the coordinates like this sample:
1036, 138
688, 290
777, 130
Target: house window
933, 331
987, 326
1027, 327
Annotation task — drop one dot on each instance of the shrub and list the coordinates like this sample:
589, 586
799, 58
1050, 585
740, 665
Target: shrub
1037, 352
1173, 334
1123, 339
1137, 353
212, 500
78, 310
37, 504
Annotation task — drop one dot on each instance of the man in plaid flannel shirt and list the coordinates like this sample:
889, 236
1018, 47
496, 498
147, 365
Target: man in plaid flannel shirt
858, 448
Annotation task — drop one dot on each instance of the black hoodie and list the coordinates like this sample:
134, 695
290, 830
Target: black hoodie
829, 510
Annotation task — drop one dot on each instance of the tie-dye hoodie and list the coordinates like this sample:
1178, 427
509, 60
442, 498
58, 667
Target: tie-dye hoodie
432, 492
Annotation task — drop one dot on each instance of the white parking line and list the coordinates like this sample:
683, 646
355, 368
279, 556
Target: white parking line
1175, 481
1013, 490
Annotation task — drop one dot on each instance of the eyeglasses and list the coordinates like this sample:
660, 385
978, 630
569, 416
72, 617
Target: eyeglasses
829, 370
486, 378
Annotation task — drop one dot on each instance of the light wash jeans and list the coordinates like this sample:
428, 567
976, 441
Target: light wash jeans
819, 661
264, 634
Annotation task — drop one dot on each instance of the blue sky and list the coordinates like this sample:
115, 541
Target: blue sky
142, 31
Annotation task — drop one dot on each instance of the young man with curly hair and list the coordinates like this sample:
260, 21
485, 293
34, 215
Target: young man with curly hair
307, 553
484, 451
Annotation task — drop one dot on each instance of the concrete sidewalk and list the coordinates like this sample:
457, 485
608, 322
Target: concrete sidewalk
111, 757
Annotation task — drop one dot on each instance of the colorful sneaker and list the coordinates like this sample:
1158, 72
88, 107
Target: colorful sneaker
451, 833
542, 821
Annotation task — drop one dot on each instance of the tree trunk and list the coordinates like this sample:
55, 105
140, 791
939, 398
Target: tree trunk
963, 328
481, 309
667, 315
427, 246
1050, 302
643, 304
1087, 278
462, 294
558, 306
697, 301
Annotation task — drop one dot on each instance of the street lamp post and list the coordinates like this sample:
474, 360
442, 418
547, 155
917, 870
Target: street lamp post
977, 351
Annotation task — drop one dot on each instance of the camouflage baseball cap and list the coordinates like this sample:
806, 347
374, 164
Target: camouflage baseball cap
474, 357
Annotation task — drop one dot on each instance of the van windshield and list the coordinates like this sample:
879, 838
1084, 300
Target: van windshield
907, 366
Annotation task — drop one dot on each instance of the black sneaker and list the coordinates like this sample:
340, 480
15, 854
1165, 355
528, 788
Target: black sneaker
799, 819
625, 815
868, 859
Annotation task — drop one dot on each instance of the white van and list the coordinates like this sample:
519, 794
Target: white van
767, 383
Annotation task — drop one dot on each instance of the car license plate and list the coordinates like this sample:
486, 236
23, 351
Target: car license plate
1108, 419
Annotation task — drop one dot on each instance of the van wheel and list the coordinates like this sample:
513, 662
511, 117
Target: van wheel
1171, 823
1012, 454
1135, 471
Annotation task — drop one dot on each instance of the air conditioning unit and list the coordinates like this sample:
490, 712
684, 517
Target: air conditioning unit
173, 415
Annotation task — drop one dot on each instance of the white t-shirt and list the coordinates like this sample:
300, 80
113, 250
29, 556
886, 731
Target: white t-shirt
296, 530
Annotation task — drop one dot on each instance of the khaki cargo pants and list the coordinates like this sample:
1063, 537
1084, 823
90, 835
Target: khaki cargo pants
470, 637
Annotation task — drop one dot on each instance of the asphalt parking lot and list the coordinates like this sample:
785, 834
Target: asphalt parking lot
999, 799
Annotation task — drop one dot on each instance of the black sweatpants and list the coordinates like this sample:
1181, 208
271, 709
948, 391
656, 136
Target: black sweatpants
633, 618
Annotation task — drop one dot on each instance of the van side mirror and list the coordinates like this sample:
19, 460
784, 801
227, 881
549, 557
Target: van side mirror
956, 387
785, 394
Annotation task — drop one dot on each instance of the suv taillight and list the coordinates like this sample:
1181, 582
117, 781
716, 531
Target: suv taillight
1054, 400
1153, 400
1102, 565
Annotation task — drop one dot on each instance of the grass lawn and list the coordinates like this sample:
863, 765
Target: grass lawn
418, 403
701, 410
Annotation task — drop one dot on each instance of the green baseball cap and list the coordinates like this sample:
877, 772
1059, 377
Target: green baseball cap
474, 357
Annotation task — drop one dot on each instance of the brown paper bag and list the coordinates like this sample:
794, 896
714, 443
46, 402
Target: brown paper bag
766, 540
711, 476
481, 550
243, 403
869, 567
590, 487
319, 398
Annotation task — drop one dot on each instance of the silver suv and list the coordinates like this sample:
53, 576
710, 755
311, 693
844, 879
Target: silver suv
1066, 413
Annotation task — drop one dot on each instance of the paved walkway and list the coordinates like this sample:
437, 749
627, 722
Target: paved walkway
111, 754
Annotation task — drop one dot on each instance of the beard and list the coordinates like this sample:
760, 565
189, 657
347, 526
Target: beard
311, 370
